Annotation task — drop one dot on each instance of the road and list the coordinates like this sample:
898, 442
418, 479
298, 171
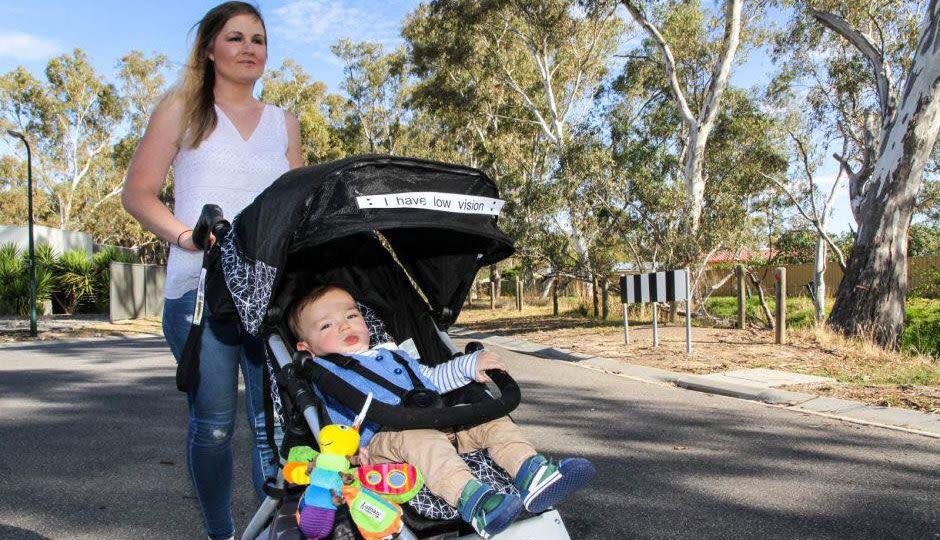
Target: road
91, 447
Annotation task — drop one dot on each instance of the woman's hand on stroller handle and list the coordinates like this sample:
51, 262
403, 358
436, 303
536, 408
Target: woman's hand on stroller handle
210, 224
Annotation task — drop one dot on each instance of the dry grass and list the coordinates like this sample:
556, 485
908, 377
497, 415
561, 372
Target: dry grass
862, 370
866, 372
862, 361
51, 330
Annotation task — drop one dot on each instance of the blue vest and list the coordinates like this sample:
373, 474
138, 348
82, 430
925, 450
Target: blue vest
381, 362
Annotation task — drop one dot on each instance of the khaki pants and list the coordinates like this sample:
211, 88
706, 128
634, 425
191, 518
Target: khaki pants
432, 452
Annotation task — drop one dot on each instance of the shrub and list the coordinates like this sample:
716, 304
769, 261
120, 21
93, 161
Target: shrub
14, 274
922, 327
74, 279
930, 286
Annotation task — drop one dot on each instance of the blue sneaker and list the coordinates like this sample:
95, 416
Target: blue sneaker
543, 483
486, 510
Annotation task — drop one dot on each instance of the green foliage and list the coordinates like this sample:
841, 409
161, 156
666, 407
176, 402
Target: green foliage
70, 280
799, 310
75, 279
318, 113
929, 286
923, 240
921, 323
14, 274
922, 327
797, 246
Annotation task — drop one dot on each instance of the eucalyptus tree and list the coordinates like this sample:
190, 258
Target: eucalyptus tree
70, 119
517, 72
377, 87
292, 89
651, 137
698, 126
885, 60
813, 200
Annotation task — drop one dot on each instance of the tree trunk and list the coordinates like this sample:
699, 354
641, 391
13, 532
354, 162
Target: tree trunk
872, 295
495, 279
597, 312
555, 297
819, 277
693, 172
763, 299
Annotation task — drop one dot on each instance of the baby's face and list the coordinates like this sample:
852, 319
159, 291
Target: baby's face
333, 324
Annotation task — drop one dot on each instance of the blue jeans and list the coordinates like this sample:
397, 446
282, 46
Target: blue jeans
212, 407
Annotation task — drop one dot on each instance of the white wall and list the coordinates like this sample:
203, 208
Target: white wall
60, 240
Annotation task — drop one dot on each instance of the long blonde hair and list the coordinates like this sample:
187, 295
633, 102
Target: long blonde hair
195, 89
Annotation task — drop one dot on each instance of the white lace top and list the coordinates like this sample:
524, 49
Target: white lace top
226, 170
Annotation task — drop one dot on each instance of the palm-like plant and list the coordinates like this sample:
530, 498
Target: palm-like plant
75, 279
14, 275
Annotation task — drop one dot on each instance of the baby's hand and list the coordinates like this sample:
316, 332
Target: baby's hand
363, 456
488, 360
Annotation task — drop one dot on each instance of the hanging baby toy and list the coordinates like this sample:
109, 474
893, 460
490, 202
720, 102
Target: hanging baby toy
371, 491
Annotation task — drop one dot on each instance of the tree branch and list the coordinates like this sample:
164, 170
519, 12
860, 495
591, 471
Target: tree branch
669, 62
790, 196
719, 81
887, 95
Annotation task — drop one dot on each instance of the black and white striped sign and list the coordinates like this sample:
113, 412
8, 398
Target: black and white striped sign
668, 286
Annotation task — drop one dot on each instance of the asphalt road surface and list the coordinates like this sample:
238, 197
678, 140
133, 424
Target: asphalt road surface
91, 447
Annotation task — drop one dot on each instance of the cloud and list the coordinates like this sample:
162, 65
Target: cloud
26, 47
319, 24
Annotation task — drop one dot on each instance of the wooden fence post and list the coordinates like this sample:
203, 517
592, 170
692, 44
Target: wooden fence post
780, 277
492, 295
555, 297
518, 293
597, 312
742, 306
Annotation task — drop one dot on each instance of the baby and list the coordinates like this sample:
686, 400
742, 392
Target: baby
327, 320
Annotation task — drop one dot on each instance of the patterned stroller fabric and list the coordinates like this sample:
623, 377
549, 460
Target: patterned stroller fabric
483, 468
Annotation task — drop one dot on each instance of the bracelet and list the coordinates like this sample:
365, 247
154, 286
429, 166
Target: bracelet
180, 236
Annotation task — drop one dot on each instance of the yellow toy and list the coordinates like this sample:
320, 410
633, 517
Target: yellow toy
316, 511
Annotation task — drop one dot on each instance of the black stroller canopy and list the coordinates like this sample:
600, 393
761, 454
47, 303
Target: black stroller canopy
437, 221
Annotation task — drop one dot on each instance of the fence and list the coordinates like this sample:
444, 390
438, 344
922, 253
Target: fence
61, 240
798, 275
136, 290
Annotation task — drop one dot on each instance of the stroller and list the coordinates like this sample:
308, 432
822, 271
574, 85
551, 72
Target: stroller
406, 238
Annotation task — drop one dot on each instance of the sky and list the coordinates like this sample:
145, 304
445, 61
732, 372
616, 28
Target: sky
302, 30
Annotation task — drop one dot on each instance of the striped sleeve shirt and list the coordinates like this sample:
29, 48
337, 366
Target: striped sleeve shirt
454, 373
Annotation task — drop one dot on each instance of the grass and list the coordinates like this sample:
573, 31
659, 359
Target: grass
921, 327
862, 362
921, 324
725, 308
863, 370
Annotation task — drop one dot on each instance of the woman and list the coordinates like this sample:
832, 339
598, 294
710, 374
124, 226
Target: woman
225, 148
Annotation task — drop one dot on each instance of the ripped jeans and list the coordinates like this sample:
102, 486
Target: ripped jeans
225, 347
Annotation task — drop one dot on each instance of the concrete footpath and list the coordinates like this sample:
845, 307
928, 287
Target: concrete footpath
751, 384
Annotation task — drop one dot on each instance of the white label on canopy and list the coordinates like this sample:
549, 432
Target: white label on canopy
432, 200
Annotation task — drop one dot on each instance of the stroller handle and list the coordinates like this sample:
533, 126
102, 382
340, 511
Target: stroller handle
210, 221
398, 417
